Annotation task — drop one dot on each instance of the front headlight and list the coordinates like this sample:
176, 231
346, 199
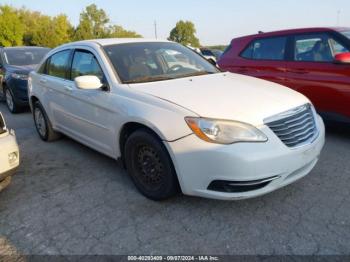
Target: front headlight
224, 131
19, 76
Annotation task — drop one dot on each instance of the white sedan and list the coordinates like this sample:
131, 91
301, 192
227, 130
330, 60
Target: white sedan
9, 154
184, 126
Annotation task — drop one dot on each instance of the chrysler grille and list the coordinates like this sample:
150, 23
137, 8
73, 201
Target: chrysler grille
295, 127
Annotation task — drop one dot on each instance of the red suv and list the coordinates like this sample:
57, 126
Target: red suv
314, 61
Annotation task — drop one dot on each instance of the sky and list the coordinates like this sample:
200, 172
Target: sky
217, 22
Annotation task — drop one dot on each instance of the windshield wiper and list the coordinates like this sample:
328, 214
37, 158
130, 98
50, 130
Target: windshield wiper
145, 79
199, 73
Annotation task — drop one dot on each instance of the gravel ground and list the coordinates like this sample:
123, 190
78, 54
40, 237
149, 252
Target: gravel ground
68, 199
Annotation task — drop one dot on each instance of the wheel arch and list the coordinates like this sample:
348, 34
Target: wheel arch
32, 101
5, 86
129, 128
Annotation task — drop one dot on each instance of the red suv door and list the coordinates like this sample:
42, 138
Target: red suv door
313, 72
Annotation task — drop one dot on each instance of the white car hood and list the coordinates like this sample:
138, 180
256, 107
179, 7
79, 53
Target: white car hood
226, 96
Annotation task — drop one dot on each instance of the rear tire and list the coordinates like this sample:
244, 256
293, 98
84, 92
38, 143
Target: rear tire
43, 124
149, 166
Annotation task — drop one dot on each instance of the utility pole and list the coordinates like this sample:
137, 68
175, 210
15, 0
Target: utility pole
338, 18
155, 29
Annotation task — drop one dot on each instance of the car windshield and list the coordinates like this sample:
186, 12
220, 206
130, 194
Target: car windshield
24, 56
156, 61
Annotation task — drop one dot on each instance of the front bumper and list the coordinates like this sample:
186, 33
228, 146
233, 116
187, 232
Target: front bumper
199, 163
5, 178
8, 173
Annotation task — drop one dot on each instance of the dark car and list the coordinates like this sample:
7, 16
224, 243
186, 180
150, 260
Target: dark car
15, 65
214, 53
313, 61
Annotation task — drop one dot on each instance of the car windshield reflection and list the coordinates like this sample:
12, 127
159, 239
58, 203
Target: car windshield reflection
24, 56
149, 62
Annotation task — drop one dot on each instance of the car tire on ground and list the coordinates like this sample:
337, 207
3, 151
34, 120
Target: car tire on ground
2, 95
10, 101
149, 165
43, 124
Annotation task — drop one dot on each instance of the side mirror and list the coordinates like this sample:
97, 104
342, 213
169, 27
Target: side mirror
342, 58
212, 61
88, 82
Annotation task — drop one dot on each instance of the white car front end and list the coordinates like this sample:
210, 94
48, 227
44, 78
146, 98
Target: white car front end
9, 154
243, 169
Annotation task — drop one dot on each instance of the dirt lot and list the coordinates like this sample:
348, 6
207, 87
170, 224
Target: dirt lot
68, 199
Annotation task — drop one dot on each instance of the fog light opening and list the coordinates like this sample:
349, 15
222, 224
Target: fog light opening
240, 186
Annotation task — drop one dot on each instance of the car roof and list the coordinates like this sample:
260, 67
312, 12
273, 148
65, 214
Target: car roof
106, 42
114, 41
25, 47
297, 31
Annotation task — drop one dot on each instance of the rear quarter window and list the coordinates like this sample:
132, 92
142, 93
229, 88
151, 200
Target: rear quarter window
58, 64
42, 68
227, 50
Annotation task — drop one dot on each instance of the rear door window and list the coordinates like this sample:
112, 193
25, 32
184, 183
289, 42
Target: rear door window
266, 49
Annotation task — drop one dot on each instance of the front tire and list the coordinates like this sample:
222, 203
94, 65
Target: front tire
43, 124
149, 165
10, 102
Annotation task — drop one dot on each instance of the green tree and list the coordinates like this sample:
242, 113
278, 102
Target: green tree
43, 30
62, 30
93, 24
11, 28
30, 21
184, 33
24, 26
51, 31
117, 31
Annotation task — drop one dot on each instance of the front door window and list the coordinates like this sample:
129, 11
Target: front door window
317, 48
